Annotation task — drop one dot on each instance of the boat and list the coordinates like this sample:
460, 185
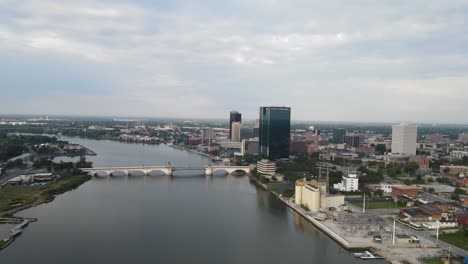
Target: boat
15, 232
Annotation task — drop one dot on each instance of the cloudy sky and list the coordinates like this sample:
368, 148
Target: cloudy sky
334, 60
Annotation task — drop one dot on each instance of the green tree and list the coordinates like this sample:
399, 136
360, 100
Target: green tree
446, 170
411, 167
379, 193
431, 190
380, 149
459, 190
263, 179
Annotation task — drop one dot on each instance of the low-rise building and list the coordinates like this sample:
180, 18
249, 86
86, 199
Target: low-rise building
422, 161
462, 220
43, 177
453, 170
403, 190
459, 154
433, 213
403, 239
267, 167
463, 200
460, 180
348, 183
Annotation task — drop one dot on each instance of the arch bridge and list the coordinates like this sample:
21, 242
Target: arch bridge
166, 170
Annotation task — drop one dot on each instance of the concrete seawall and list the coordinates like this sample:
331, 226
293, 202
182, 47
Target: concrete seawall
323, 228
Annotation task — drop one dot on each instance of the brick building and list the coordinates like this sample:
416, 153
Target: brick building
409, 191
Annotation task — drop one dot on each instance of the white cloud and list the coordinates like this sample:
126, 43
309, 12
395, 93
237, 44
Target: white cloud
307, 53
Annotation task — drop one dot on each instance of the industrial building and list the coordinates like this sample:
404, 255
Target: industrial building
313, 195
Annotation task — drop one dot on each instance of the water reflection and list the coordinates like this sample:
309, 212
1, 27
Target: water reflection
186, 218
303, 225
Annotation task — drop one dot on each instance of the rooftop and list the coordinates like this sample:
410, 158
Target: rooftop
405, 187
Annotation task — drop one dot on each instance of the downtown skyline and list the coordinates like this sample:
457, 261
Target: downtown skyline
371, 62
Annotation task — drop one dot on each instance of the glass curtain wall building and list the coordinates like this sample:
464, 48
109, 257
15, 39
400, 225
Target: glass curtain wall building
275, 126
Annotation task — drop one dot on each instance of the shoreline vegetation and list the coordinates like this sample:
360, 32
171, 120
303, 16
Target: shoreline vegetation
17, 198
14, 199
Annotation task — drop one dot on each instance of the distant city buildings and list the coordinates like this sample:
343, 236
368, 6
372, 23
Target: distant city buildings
463, 137
404, 138
275, 126
352, 139
207, 135
338, 135
234, 116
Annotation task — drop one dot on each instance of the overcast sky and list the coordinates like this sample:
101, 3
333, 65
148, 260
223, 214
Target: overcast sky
362, 60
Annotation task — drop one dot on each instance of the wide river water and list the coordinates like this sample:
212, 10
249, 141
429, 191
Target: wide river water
187, 218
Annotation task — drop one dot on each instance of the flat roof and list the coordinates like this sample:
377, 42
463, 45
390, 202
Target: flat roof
404, 187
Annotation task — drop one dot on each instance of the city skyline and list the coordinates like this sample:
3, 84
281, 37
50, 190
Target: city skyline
378, 62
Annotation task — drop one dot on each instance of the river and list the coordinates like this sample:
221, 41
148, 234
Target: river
187, 218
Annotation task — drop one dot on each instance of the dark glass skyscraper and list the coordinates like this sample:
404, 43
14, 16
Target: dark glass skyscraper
275, 126
234, 116
338, 135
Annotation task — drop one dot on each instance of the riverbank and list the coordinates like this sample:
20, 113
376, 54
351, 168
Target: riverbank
14, 199
329, 232
398, 253
196, 152
17, 198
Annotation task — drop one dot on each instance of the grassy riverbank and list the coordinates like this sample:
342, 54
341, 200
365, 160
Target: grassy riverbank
16, 198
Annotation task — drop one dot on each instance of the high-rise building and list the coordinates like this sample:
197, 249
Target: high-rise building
353, 140
249, 146
207, 135
338, 135
234, 116
275, 127
257, 128
236, 131
404, 139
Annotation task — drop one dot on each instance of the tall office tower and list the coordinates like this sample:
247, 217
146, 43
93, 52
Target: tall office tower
257, 128
404, 138
338, 135
275, 128
234, 116
236, 131
207, 135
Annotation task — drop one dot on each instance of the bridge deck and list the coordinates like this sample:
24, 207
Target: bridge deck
164, 167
